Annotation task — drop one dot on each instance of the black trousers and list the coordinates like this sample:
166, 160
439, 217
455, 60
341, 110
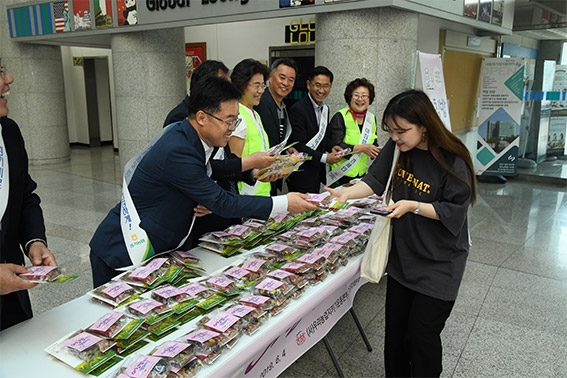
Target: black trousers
414, 322
14, 308
102, 273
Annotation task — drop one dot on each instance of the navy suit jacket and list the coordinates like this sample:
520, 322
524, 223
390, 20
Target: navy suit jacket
22, 221
168, 183
180, 112
304, 126
268, 111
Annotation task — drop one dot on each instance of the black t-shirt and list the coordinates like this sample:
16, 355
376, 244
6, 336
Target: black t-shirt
427, 255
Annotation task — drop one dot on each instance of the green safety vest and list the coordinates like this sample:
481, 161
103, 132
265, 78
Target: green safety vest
352, 136
254, 143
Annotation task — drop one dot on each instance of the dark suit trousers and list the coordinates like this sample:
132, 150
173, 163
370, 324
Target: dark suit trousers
14, 308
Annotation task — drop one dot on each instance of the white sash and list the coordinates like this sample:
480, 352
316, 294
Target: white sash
317, 138
342, 169
135, 237
4, 177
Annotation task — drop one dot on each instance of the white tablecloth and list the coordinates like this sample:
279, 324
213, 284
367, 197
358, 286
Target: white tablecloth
276, 345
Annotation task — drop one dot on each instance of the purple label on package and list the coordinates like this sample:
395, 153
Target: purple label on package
167, 291
309, 258
361, 228
328, 227
240, 310
309, 233
145, 306
193, 289
39, 270
310, 220
236, 272
277, 247
82, 341
114, 290
145, 271
142, 367
220, 281
201, 335
252, 264
269, 284
170, 349
344, 237
317, 197
106, 321
256, 299
220, 234
280, 216
185, 255
278, 273
293, 266
222, 321
238, 230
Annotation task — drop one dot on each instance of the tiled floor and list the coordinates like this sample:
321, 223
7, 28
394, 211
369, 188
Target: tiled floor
510, 319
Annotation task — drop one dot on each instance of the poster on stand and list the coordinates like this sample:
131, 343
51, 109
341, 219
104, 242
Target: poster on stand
500, 112
558, 119
433, 84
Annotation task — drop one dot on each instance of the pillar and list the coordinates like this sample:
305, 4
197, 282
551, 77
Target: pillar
37, 95
379, 44
149, 80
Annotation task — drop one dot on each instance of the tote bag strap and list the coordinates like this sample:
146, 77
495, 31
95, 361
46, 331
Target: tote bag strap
387, 192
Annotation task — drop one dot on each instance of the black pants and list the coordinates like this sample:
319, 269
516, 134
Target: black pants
414, 322
102, 273
14, 308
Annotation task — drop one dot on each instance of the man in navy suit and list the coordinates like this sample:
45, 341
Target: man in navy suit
226, 171
272, 108
309, 120
173, 177
22, 228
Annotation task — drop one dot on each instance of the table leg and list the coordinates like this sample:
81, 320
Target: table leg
362, 333
333, 357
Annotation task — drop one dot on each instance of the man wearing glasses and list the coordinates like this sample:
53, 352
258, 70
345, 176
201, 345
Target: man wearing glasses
309, 119
22, 228
163, 187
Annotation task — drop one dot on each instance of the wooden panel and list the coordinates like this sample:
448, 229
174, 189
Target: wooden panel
462, 79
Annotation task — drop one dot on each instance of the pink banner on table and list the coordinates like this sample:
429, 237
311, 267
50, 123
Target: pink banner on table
297, 329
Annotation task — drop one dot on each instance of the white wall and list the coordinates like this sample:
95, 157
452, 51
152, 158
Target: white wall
232, 42
75, 96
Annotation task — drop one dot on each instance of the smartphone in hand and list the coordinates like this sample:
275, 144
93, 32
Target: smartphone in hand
380, 211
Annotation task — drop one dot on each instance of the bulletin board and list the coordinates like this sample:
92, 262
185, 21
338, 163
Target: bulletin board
462, 82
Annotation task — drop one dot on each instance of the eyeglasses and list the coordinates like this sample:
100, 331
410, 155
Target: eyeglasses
231, 125
259, 87
3, 71
322, 86
358, 96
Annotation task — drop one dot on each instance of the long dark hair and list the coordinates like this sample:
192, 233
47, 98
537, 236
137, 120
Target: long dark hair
415, 107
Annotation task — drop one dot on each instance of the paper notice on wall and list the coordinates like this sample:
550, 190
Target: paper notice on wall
433, 84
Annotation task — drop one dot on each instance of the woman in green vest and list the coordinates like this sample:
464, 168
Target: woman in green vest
249, 137
354, 127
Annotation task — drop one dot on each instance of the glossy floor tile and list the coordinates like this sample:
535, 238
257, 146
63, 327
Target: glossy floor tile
510, 319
